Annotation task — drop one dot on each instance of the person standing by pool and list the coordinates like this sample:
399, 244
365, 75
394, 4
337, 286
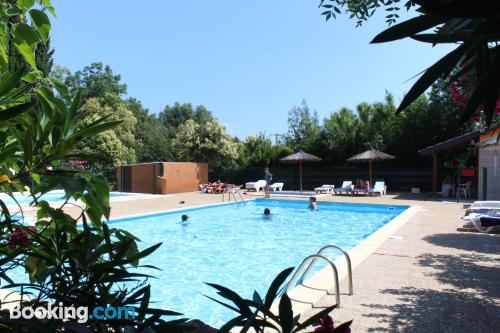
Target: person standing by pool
268, 178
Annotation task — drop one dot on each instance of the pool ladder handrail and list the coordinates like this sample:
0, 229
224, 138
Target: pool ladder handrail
233, 189
313, 259
347, 258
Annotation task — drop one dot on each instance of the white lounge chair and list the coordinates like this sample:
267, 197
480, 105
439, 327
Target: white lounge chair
379, 188
484, 222
258, 185
346, 187
325, 188
485, 204
276, 187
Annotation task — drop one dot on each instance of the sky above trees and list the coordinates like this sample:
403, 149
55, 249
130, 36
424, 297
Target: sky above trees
247, 62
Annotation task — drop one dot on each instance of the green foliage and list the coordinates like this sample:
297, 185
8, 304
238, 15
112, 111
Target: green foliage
153, 141
259, 151
303, 127
95, 80
40, 134
362, 10
176, 115
340, 133
204, 143
202, 115
115, 145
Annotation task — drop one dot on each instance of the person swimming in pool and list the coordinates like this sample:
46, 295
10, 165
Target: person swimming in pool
267, 212
184, 220
312, 203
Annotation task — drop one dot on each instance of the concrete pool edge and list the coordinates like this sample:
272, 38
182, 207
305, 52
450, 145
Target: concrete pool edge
173, 210
124, 196
312, 290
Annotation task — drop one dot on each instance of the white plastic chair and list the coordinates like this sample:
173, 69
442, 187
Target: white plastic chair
276, 187
464, 189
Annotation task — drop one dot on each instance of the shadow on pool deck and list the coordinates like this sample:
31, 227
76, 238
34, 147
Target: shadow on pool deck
475, 242
465, 298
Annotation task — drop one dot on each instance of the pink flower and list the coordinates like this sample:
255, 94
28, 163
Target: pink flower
325, 324
18, 237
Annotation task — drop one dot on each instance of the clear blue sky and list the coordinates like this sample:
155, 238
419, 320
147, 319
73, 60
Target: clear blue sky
248, 62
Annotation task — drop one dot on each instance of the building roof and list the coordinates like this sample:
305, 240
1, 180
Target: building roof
457, 142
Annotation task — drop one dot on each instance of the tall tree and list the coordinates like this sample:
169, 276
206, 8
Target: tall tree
117, 144
153, 141
95, 80
202, 115
205, 143
176, 115
303, 127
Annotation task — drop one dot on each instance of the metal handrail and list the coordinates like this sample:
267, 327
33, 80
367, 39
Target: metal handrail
315, 257
348, 259
232, 190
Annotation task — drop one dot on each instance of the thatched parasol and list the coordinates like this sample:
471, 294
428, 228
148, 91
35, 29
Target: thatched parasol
369, 156
300, 157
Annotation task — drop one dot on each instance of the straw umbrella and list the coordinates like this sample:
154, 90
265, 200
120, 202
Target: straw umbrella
369, 156
300, 157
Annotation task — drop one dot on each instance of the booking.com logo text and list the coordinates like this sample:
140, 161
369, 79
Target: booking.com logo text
66, 313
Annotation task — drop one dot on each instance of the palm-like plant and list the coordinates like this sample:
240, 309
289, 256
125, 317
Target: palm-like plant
256, 313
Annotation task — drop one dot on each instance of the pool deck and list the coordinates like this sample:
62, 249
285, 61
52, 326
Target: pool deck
427, 277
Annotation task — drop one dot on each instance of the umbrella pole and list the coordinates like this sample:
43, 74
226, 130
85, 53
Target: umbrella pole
300, 175
370, 173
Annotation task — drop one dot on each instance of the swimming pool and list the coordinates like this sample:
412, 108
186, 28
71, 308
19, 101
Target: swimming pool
235, 246
57, 195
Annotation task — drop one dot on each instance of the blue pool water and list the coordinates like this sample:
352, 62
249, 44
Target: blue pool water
235, 246
24, 199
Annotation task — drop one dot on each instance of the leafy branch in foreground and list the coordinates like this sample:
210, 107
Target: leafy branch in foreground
257, 313
70, 255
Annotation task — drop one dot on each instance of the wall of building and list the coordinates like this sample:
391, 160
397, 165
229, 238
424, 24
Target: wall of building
161, 177
144, 177
185, 176
489, 160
